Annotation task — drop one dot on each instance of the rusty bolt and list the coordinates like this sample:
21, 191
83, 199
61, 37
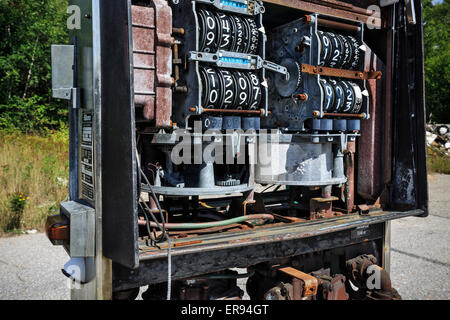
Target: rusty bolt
302, 96
178, 31
316, 113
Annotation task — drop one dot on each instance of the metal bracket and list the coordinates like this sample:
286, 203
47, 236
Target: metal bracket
236, 60
62, 71
63, 62
236, 6
310, 283
268, 65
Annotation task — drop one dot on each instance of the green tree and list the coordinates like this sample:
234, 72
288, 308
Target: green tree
437, 59
27, 30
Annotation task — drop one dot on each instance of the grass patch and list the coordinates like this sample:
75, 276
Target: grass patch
34, 172
438, 162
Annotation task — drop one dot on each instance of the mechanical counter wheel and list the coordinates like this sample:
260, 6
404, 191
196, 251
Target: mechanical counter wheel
222, 31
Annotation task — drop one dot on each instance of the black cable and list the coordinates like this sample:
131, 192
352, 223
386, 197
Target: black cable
157, 205
153, 240
164, 234
162, 228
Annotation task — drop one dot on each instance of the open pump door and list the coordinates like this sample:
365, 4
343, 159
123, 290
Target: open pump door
104, 53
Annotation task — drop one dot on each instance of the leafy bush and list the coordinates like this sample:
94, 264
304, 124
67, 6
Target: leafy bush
31, 115
437, 60
17, 206
28, 28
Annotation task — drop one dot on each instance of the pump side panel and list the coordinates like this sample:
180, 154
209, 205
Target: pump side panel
119, 185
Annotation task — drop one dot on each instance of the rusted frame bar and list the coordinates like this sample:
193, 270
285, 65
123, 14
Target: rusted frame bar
346, 115
341, 5
278, 233
330, 9
227, 256
337, 25
341, 73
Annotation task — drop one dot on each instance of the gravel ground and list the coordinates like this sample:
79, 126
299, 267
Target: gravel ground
420, 262
420, 258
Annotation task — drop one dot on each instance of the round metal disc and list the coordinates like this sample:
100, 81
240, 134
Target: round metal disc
286, 88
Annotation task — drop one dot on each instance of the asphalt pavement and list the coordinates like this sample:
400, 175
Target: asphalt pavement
30, 267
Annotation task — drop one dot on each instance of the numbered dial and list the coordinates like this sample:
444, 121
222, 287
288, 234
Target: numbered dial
222, 31
339, 97
328, 93
227, 37
255, 90
346, 52
240, 34
357, 54
358, 97
223, 88
325, 49
253, 36
229, 88
349, 97
337, 52
243, 91
209, 31
212, 88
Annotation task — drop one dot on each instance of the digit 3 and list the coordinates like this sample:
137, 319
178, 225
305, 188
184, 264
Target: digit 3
349, 97
225, 27
358, 97
229, 88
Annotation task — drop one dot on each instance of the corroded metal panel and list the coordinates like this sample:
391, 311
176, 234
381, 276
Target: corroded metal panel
370, 145
152, 61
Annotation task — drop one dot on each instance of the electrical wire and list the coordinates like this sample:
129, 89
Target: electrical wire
164, 234
214, 224
152, 239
